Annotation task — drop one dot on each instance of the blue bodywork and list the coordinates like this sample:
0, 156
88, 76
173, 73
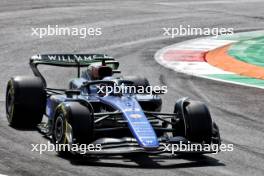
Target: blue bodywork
137, 121
132, 112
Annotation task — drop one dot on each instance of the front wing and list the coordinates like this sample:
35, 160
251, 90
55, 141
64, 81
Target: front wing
127, 145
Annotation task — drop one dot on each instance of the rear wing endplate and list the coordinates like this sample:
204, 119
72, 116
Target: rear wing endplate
70, 60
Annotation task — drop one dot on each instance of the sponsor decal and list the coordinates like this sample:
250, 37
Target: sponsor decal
70, 58
131, 109
135, 116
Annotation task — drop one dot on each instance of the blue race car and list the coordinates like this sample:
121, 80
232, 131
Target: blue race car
88, 113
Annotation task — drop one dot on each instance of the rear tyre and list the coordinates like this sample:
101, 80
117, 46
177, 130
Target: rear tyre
73, 124
195, 124
25, 101
138, 81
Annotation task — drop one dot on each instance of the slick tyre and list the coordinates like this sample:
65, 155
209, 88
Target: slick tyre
25, 101
138, 81
195, 123
73, 124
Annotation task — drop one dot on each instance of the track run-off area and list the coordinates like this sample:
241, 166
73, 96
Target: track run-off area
236, 59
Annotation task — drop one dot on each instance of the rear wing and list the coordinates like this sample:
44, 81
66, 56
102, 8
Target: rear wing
70, 60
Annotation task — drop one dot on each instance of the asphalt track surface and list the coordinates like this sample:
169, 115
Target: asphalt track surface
132, 33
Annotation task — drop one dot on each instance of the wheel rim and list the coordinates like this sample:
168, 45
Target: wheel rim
10, 100
59, 130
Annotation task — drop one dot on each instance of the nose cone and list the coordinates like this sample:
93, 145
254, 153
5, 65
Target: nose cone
137, 121
141, 128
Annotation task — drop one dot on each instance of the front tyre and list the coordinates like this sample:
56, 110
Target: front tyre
73, 124
194, 122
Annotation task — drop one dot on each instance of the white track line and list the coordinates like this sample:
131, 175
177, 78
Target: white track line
193, 68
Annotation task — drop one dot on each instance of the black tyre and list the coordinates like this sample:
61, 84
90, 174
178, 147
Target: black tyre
216, 138
195, 123
73, 124
25, 101
138, 80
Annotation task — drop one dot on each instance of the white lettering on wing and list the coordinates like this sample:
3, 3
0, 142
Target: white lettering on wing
52, 57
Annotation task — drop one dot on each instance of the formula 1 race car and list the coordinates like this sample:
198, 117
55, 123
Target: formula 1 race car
121, 122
